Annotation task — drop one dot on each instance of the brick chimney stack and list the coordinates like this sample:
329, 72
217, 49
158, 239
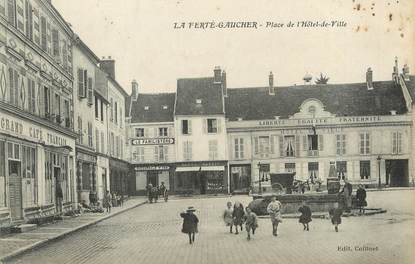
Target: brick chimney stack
369, 79
134, 90
108, 66
405, 72
217, 78
271, 89
395, 73
224, 86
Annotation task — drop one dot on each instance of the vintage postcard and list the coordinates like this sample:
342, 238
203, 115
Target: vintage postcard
194, 131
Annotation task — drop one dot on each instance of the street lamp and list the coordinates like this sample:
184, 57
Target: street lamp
379, 158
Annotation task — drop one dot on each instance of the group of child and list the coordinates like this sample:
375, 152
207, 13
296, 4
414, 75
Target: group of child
236, 216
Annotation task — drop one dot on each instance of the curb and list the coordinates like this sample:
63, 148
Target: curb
391, 189
41, 243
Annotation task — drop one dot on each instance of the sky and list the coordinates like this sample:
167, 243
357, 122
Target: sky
140, 36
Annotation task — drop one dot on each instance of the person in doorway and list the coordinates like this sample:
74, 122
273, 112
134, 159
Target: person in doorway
107, 201
274, 210
305, 217
59, 197
227, 216
336, 217
190, 222
251, 222
361, 199
347, 195
162, 190
237, 215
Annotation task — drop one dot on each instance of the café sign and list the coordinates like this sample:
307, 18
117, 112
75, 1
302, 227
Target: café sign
152, 141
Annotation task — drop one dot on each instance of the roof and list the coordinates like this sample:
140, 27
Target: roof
192, 89
155, 113
339, 99
410, 84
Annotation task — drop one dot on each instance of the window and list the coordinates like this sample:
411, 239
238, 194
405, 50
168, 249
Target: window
46, 95
11, 12
90, 92
341, 170
80, 133
396, 142
55, 43
65, 55
82, 86
365, 169
312, 142
90, 142
29, 20
43, 32
112, 143
313, 171
121, 117
264, 146
57, 108
239, 148
96, 108
187, 150
138, 154
117, 146
163, 132
186, 127
97, 140
139, 132
289, 167
289, 148
102, 111
364, 143
160, 153
116, 112
14, 87
102, 142
341, 144
213, 149
112, 109
31, 88
212, 126
66, 114
28, 161
3, 13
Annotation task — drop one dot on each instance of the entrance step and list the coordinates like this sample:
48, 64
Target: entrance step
25, 228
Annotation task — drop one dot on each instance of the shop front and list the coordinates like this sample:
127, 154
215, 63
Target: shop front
154, 174
35, 161
86, 162
118, 176
240, 178
205, 177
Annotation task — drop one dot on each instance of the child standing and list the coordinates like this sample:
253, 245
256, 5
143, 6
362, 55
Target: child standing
238, 214
336, 217
227, 216
251, 222
305, 216
190, 222
107, 201
274, 210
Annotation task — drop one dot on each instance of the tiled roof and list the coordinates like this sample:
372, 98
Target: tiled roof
203, 89
151, 108
339, 99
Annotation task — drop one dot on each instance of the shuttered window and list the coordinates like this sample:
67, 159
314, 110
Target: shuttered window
29, 20
364, 143
187, 150
239, 149
82, 83
3, 13
90, 142
13, 87
213, 149
341, 144
43, 32
97, 140
396, 143
11, 12
90, 92
31, 89
55, 43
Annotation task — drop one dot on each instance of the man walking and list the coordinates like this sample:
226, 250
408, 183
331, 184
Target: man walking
274, 210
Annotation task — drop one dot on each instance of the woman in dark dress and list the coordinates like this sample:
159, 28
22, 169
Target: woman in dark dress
238, 216
305, 216
190, 222
361, 199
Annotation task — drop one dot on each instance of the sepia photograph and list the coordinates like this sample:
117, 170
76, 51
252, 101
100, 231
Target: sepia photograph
195, 131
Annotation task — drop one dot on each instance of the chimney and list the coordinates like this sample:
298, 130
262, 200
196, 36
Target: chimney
134, 90
405, 72
224, 87
108, 66
217, 78
369, 79
395, 73
271, 90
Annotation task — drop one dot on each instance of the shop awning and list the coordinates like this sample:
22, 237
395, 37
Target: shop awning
203, 168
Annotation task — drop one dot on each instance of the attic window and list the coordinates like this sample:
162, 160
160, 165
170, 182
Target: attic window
164, 107
198, 101
146, 107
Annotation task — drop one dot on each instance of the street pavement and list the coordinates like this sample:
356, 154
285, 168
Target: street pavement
151, 234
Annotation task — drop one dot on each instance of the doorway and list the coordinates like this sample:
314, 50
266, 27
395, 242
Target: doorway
153, 178
15, 190
397, 174
203, 182
58, 189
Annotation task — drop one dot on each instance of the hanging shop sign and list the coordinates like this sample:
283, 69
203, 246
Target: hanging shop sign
152, 141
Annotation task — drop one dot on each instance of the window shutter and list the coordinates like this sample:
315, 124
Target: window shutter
156, 153
219, 125
11, 12
281, 145
256, 143
166, 153
55, 42
189, 126
297, 146
305, 143
85, 79
320, 142
170, 132
90, 91
394, 142
272, 144
80, 83
205, 129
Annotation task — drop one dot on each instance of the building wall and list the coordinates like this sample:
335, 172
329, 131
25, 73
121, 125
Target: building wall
116, 123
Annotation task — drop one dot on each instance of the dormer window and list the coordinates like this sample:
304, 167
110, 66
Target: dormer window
199, 101
146, 107
312, 110
165, 107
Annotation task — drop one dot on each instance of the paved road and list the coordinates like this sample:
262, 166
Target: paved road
151, 234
